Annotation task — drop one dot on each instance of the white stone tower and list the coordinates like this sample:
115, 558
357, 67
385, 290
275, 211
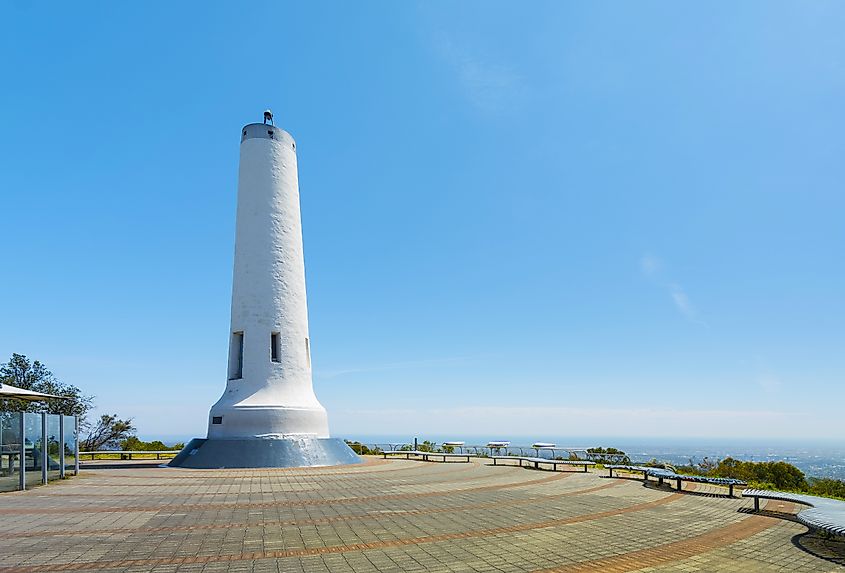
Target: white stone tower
268, 415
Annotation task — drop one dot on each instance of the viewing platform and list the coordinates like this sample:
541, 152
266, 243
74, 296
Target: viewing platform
396, 515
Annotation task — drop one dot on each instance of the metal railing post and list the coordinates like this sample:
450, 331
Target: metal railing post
76, 446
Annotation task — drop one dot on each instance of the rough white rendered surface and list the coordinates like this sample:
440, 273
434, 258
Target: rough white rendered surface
271, 399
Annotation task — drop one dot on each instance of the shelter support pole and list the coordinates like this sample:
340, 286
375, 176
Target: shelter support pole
61, 446
44, 454
22, 453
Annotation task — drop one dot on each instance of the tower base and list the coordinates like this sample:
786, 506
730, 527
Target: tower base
202, 453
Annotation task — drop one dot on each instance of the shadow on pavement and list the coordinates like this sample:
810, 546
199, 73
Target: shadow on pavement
831, 549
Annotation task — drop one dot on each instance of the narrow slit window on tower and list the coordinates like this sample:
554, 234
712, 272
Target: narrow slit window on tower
308, 352
274, 347
236, 356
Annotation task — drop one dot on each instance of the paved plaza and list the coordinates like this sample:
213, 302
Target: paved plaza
394, 515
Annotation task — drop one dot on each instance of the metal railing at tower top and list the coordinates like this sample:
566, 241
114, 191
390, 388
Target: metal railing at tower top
485, 450
36, 448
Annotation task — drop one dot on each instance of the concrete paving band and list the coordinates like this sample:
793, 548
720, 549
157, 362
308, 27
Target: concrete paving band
268, 415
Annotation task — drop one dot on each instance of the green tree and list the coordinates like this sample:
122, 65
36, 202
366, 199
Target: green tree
108, 432
21, 372
427, 446
606, 456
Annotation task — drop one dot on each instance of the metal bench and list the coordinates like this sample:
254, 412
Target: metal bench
642, 469
538, 461
664, 474
424, 455
444, 456
406, 453
823, 514
454, 445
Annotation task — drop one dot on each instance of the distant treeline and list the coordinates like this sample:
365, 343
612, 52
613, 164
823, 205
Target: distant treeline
134, 444
781, 476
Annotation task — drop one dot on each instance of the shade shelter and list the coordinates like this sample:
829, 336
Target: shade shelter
9, 391
35, 447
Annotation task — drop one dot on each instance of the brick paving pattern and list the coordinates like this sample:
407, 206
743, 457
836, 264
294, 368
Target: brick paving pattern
395, 515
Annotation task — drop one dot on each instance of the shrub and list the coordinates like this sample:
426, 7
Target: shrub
133, 443
827, 487
780, 475
361, 449
426, 446
607, 456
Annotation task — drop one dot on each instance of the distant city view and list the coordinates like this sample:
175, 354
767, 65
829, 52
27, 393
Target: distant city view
819, 458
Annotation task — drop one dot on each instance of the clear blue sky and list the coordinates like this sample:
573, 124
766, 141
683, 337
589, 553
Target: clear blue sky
545, 219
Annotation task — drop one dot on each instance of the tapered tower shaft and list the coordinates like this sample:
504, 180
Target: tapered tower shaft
269, 391
268, 416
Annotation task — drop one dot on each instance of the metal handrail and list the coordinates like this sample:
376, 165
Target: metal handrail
130, 453
483, 450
